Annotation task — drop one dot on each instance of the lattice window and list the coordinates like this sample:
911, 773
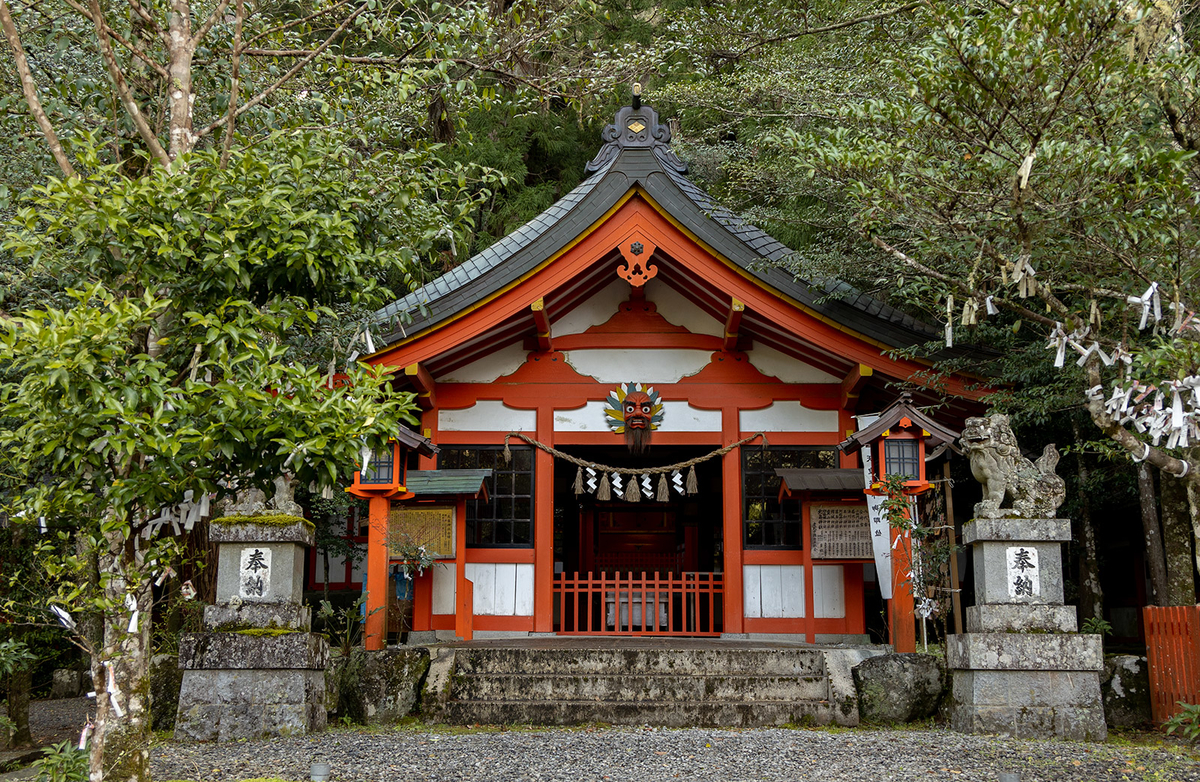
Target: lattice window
766, 523
506, 519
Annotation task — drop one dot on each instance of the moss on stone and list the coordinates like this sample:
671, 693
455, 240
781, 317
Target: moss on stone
269, 632
271, 518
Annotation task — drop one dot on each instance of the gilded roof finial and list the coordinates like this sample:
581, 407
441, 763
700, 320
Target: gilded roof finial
637, 95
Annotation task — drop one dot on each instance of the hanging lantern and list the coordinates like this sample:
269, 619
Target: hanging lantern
898, 439
383, 474
900, 451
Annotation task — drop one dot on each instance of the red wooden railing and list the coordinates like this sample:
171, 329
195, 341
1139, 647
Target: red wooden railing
1173, 657
639, 604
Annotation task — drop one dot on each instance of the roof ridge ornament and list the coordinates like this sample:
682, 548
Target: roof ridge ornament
636, 125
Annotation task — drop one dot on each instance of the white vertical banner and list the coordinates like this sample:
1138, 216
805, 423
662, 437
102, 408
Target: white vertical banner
881, 538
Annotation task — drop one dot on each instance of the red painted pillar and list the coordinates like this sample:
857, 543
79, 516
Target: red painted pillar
543, 526
375, 634
731, 501
900, 607
423, 602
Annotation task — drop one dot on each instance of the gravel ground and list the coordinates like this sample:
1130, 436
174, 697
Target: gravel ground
627, 754
52, 721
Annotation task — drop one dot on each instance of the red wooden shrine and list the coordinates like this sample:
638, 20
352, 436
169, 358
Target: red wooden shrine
636, 277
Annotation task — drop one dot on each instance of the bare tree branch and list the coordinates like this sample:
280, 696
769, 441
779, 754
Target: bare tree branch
29, 88
217, 13
122, 87
295, 22
227, 145
132, 47
824, 29
260, 97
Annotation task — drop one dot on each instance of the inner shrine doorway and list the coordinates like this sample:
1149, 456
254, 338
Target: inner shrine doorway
639, 568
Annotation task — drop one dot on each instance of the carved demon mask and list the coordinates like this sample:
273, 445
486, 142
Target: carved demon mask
635, 412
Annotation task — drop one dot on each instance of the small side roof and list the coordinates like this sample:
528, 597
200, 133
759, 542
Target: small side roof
415, 442
448, 483
797, 479
901, 408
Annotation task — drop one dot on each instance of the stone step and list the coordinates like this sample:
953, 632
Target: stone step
757, 662
669, 714
627, 687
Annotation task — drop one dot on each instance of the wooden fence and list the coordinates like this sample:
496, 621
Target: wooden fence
639, 604
1173, 657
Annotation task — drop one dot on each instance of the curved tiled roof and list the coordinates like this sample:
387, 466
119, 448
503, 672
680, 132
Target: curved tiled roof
637, 152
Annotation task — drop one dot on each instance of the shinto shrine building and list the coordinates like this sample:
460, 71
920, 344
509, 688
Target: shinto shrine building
634, 326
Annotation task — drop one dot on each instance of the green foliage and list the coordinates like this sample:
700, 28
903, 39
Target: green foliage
344, 627
14, 656
62, 762
1186, 721
1096, 625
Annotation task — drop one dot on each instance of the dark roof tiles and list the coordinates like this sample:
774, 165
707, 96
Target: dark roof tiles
739, 240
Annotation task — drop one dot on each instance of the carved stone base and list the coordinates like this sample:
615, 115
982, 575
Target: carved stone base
1027, 685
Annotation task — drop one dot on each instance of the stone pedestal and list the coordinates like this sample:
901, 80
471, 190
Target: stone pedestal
258, 671
1021, 669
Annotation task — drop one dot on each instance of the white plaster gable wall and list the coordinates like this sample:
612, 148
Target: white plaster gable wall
679, 311
487, 415
502, 362
647, 366
673, 306
788, 417
776, 364
592, 312
677, 417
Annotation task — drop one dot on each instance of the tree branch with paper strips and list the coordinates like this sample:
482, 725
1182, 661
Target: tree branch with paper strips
1055, 201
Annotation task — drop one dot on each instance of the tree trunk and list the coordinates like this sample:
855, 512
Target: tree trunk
1178, 537
19, 685
120, 749
1193, 497
1091, 595
1156, 562
179, 31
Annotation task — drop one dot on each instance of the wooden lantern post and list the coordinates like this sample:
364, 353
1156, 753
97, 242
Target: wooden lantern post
897, 440
380, 483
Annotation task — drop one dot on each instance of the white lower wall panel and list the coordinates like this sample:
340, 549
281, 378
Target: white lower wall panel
829, 592
524, 601
445, 584
501, 588
773, 591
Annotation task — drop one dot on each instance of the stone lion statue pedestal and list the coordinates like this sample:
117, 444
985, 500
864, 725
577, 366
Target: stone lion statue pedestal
1021, 669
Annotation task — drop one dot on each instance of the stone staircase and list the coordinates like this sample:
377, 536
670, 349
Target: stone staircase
669, 685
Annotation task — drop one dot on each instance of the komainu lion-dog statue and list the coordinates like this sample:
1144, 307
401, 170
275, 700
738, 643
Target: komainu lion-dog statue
1013, 486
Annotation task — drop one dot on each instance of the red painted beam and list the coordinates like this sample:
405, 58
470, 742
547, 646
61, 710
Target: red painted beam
541, 321
733, 321
422, 381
